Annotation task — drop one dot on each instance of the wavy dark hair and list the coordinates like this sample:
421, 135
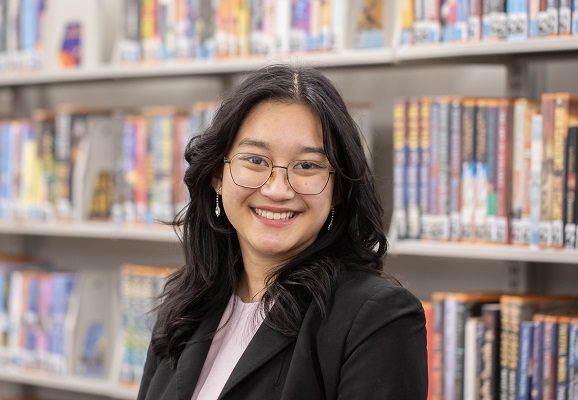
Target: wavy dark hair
213, 262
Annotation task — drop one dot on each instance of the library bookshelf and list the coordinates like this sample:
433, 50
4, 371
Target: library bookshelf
344, 65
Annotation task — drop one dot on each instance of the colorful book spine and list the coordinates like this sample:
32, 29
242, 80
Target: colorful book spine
550, 357
517, 12
537, 355
503, 172
443, 216
570, 188
475, 20
413, 184
573, 359
562, 365
424, 165
455, 182
524, 369
490, 372
564, 17
536, 180
481, 207
492, 151
434, 177
400, 167
438, 366
468, 170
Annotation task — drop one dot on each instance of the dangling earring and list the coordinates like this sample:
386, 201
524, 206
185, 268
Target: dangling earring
331, 220
217, 207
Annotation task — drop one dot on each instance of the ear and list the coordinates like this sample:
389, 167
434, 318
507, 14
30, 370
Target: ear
217, 182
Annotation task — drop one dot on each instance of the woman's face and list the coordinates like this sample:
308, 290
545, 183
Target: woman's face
274, 222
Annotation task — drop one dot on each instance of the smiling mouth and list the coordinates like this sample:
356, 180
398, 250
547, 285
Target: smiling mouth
284, 216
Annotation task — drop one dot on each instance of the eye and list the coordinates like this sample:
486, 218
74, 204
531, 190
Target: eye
254, 159
307, 165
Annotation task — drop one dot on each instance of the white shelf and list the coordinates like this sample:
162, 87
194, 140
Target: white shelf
155, 233
353, 57
482, 252
485, 49
68, 383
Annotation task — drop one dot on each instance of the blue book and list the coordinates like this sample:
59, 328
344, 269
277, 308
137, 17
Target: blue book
573, 359
524, 378
537, 356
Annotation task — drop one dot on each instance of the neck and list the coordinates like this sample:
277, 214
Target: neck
252, 283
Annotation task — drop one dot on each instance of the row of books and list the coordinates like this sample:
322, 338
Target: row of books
49, 34
88, 323
434, 21
122, 166
205, 29
78, 164
62, 34
486, 170
506, 347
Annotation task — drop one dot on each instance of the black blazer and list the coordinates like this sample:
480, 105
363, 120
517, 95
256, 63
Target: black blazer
372, 345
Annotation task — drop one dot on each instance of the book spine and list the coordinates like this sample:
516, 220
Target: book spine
503, 172
570, 169
481, 208
526, 176
575, 17
533, 20
536, 180
472, 352
444, 170
475, 20
505, 349
559, 138
468, 170
400, 167
548, 106
434, 179
424, 165
490, 375
525, 360
538, 357
518, 182
492, 151
438, 367
562, 367
550, 362
450, 348
407, 22
413, 189
573, 359
565, 17
455, 168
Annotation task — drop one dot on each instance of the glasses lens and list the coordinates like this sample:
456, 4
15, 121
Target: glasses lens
308, 177
250, 170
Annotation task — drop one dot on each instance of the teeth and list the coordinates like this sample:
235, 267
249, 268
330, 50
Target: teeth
276, 216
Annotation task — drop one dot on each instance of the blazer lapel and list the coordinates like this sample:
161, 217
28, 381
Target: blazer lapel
194, 354
265, 345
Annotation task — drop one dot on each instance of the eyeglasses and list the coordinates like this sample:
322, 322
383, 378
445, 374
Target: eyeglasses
252, 171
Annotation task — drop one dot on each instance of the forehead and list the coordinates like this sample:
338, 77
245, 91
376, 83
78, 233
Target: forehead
281, 126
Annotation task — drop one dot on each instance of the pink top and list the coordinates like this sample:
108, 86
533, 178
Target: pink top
227, 346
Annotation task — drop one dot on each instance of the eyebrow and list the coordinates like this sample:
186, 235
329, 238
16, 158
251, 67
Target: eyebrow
264, 145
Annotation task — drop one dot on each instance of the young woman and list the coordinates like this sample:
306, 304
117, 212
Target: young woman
282, 294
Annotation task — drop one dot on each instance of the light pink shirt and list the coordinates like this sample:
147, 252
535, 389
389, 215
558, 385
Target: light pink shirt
227, 346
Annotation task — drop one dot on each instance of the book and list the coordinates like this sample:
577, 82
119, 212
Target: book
490, 374
400, 168
458, 307
570, 188
525, 361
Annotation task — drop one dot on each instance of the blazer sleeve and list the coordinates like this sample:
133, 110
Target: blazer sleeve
385, 354
150, 367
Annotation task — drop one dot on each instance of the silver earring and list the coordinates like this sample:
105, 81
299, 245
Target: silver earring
331, 220
217, 207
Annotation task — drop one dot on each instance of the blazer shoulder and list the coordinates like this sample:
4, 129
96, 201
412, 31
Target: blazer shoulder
361, 292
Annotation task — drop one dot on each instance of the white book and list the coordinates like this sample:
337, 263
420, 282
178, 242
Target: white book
471, 378
60, 16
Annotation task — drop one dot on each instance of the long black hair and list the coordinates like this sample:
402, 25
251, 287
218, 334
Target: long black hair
213, 262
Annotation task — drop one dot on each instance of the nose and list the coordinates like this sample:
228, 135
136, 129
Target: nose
277, 186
